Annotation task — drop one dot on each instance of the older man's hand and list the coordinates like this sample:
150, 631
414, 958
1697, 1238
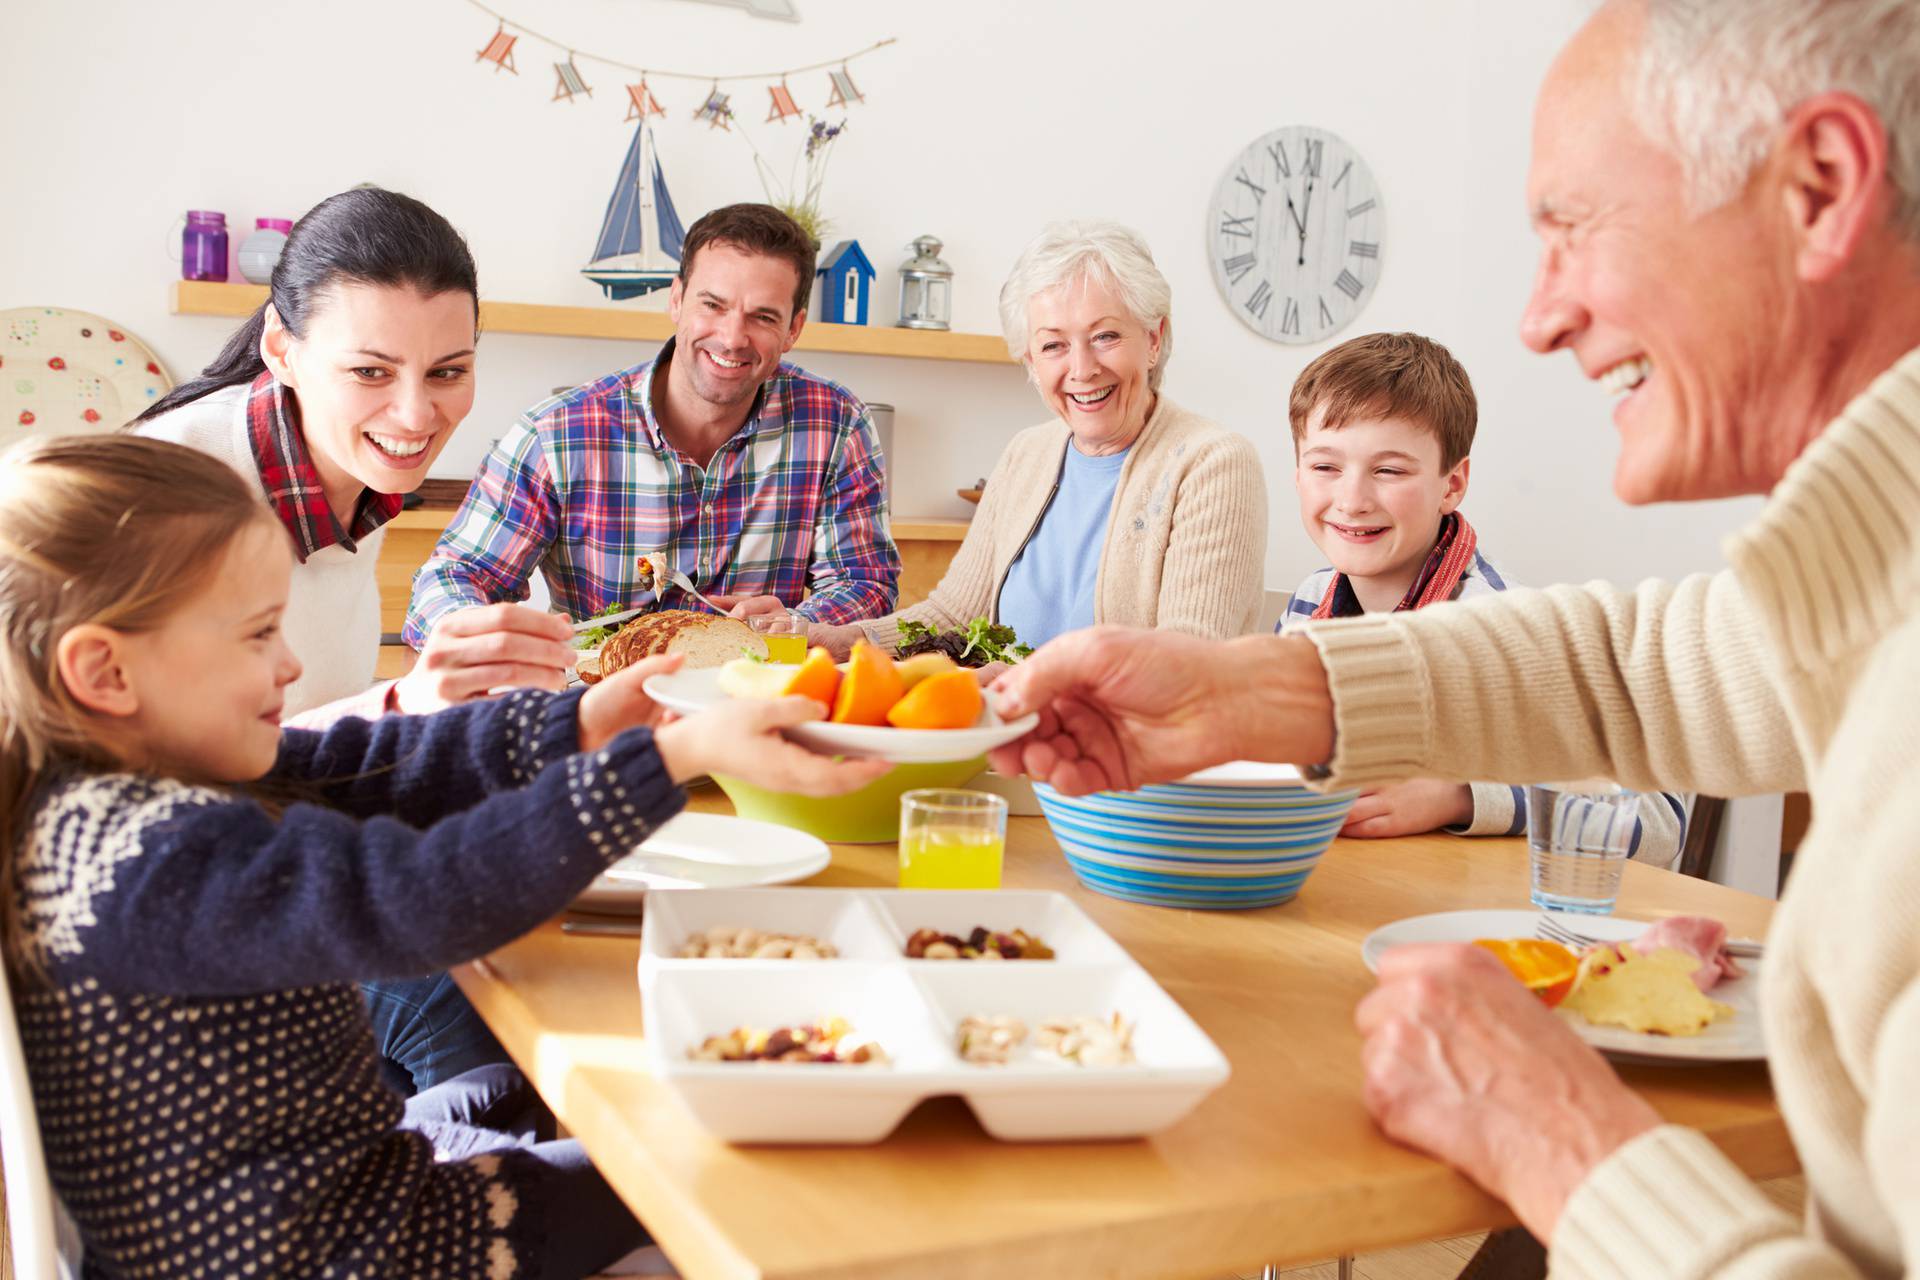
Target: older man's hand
1120, 708
1466, 1064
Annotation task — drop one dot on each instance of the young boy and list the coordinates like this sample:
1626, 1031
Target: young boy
1382, 426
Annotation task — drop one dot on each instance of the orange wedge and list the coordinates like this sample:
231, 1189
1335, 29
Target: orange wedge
868, 690
1546, 968
815, 678
950, 700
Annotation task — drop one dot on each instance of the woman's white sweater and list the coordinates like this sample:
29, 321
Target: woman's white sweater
333, 610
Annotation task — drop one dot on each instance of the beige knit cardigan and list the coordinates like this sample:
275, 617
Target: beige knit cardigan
1186, 541
1799, 666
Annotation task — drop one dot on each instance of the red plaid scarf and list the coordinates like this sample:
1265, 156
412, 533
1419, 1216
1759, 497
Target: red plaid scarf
292, 481
1447, 563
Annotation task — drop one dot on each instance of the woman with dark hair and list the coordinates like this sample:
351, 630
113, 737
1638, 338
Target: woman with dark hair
336, 396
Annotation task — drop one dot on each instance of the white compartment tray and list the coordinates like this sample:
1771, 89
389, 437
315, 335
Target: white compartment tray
913, 1008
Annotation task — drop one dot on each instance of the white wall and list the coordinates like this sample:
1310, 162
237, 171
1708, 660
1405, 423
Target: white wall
986, 119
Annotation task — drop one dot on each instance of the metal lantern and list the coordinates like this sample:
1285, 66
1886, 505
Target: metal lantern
926, 288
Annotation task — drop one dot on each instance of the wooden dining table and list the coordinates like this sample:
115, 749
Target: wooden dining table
1280, 1165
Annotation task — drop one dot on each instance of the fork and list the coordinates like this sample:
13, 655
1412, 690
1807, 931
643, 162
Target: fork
1551, 930
682, 581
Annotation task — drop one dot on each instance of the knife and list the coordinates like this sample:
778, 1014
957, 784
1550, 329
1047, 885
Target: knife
611, 620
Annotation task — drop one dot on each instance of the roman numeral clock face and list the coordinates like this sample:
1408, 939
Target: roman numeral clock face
1293, 235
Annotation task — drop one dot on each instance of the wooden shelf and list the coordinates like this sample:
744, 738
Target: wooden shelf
201, 298
907, 529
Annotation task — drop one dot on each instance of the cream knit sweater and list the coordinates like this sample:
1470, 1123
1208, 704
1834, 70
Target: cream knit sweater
1186, 543
1799, 666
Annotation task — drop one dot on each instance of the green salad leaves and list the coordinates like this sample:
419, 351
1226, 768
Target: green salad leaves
982, 642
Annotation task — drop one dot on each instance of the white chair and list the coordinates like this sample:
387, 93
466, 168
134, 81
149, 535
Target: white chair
44, 1241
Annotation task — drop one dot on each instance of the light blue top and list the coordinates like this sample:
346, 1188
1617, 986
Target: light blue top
1049, 588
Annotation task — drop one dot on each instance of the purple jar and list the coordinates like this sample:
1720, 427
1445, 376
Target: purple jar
203, 247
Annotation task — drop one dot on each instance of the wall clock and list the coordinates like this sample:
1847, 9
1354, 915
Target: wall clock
1293, 234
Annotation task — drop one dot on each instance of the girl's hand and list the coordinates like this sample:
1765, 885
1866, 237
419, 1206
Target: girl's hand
619, 702
742, 740
494, 646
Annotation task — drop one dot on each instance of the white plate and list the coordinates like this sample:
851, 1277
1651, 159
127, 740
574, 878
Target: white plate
1735, 1039
689, 692
706, 851
1245, 773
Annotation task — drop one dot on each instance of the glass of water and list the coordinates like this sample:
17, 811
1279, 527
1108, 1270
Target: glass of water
1578, 837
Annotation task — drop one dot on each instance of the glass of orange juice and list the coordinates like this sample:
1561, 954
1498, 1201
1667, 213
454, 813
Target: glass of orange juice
785, 635
951, 839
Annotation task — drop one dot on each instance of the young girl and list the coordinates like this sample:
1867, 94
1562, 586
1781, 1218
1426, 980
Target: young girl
192, 892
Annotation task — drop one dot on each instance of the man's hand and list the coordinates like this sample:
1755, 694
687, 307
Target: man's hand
1464, 1063
1120, 708
742, 739
487, 647
1409, 808
748, 606
619, 702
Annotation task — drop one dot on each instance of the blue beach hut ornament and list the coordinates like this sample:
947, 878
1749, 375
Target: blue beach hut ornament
639, 246
847, 284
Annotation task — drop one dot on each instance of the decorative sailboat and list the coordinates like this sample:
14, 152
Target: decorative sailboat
640, 238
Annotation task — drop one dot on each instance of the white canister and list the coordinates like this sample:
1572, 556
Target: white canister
261, 250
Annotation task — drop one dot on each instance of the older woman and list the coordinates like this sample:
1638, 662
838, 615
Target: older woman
1728, 192
1123, 507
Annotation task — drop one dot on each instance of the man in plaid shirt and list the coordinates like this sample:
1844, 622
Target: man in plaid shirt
745, 473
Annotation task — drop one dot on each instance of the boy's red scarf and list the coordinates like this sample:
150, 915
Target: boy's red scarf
292, 481
1447, 563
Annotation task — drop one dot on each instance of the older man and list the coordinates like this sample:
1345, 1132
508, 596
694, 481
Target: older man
1729, 197
745, 473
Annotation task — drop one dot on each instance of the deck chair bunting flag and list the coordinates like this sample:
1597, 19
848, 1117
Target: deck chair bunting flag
715, 111
844, 94
783, 107
499, 51
641, 103
568, 82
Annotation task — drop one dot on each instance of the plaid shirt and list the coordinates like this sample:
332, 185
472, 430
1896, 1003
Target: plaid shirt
585, 483
292, 481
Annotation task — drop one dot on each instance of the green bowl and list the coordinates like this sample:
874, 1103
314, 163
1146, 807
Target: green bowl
870, 815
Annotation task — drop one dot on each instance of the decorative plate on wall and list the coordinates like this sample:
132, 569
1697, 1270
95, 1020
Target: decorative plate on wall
63, 372
1293, 234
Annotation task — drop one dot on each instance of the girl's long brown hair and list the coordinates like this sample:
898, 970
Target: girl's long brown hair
114, 530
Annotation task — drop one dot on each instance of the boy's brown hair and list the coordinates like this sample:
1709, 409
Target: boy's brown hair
1389, 375
760, 229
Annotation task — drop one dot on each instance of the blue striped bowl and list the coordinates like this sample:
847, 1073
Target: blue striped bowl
1243, 835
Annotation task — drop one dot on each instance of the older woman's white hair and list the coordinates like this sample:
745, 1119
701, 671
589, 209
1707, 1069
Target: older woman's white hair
1716, 78
1072, 251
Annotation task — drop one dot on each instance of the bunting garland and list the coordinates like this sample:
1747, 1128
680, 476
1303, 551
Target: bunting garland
715, 108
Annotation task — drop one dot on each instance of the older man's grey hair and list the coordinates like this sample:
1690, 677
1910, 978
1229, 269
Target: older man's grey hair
1077, 251
1715, 79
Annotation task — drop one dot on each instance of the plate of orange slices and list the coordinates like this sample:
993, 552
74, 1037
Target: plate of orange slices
918, 710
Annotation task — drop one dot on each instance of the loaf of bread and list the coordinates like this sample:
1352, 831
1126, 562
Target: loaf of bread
707, 640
